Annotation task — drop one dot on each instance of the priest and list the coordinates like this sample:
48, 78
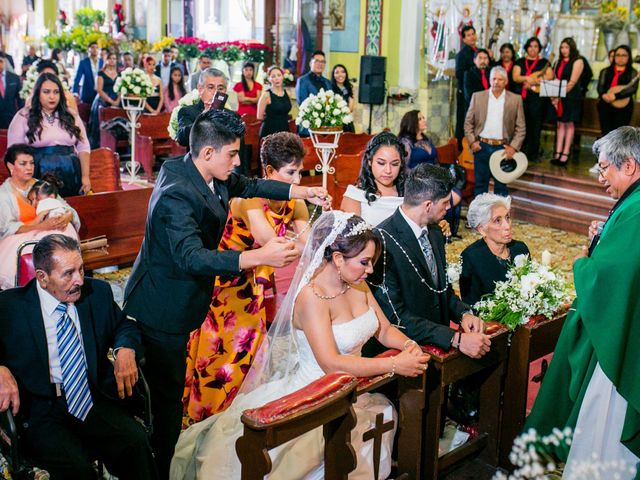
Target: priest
592, 384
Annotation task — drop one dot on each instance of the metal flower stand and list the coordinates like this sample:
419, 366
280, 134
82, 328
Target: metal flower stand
133, 107
325, 142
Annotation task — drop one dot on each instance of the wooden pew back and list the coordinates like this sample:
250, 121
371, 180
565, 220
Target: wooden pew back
347, 170
121, 216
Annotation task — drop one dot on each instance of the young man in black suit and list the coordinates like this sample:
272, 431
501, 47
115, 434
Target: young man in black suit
10, 101
55, 335
476, 79
171, 284
416, 294
464, 62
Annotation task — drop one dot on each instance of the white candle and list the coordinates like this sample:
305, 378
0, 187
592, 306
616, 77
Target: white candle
546, 258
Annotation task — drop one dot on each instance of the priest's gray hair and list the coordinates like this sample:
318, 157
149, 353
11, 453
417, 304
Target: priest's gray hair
212, 72
481, 208
498, 70
618, 145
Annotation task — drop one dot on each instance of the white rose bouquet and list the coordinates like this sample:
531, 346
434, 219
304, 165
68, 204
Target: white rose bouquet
326, 109
133, 82
30, 80
190, 98
530, 289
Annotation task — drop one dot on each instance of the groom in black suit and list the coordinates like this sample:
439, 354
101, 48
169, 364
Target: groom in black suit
41, 367
171, 284
410, 280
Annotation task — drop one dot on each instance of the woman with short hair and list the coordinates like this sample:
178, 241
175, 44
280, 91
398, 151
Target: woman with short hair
485, 261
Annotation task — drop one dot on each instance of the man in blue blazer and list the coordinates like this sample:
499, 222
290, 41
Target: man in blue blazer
10, 101
87, 73
55, 335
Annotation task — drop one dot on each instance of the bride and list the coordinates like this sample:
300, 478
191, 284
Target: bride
326, 317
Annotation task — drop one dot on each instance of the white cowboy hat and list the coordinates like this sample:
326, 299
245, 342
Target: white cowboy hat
506, 171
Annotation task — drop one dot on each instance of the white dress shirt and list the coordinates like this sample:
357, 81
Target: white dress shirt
493, 127
48, 305
415, 228
165, 73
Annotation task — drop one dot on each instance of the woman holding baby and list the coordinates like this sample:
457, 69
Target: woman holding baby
20, 219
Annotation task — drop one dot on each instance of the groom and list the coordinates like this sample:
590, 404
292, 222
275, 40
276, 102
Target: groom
416, 295
171, 284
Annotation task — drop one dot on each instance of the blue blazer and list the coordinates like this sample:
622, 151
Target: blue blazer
11, 102
85, 73
23, 341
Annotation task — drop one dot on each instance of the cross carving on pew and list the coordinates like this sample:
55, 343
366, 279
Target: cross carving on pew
376, 434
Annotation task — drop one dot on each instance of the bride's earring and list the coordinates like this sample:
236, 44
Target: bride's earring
340, 276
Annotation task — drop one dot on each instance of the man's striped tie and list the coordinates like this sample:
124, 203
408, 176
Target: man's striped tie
73, 364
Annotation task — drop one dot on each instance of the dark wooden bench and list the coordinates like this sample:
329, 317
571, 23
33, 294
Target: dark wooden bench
529, 342
121, 216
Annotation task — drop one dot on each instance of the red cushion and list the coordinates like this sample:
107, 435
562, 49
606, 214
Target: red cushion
307, 397
26, 270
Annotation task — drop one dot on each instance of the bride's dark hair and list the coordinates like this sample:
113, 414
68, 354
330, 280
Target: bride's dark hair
349, 242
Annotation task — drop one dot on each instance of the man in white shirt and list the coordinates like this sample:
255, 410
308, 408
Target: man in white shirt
55, 375
494, 121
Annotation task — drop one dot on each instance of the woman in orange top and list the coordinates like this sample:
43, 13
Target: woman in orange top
222, 350
18, 220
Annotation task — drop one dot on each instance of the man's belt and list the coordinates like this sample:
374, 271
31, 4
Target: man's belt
492, 141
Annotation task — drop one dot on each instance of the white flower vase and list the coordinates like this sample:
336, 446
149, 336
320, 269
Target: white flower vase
325, 141
134, 107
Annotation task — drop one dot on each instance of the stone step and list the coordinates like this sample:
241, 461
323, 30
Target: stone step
562, 179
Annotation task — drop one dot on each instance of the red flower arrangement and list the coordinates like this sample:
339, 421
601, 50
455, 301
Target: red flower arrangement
192, 47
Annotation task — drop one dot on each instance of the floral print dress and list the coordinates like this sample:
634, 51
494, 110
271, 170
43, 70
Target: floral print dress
220, 352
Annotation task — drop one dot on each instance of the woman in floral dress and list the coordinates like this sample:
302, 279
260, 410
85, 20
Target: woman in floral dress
221, 351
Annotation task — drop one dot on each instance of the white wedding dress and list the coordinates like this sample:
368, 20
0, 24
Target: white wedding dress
206, 450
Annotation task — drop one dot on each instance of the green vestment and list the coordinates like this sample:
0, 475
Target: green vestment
603, 325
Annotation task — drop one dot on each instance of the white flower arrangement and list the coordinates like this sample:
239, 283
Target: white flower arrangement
454, 270
326, 109
539, 457
30, 80
530, 289
190, 98
133, 82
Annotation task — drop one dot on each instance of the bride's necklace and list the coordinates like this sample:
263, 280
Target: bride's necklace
330, 297
50, 118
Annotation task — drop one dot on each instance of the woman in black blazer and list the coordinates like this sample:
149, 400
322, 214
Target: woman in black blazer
485, 261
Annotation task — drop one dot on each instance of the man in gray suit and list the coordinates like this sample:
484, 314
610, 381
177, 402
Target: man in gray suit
204, 62
494, 121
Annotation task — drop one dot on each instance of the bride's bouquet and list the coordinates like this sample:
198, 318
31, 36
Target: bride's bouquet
530, 289
324, 110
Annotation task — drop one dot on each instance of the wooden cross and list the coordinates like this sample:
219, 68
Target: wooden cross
376, 434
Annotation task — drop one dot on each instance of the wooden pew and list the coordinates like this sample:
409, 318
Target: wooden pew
347, 168
446, 368
252, 140
121, 216
105, 170
152, 139
529, 342
326, 403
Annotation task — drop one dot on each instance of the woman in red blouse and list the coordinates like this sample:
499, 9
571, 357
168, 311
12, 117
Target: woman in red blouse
248, 91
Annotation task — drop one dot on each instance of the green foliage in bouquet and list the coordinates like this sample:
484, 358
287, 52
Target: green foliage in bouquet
60, 40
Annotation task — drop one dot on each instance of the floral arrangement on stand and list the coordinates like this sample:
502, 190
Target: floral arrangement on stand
539, 457
89, 17
611, 17
133, 82
636, 14
530, 289
324, 110
118, 19
30, 80
62, 19
190, 98
61, 40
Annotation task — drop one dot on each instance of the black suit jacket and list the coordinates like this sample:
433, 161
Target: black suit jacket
424, 314
11, 102
172, 279
473, 83
186, 116
464, 62
23, 341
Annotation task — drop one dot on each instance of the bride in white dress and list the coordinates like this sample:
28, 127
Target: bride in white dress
325, 319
